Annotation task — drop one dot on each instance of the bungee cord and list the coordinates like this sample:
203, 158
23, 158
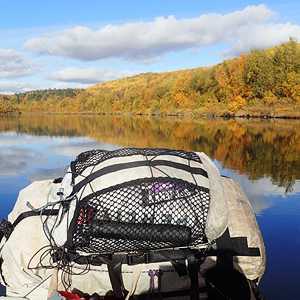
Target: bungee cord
52, 256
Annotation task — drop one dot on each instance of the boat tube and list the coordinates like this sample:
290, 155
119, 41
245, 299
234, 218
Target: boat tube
133, 222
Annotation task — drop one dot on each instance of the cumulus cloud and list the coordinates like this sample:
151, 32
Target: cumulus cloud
263, 36
89, 75
260, 190
16, 64
12, 87
149, 41
13, 139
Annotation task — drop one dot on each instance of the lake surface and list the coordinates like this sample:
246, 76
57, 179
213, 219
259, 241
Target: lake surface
263, 156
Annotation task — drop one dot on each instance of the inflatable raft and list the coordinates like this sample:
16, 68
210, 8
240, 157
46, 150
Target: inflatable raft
137, 223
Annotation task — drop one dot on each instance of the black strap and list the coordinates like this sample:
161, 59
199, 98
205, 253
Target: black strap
176, 257
115, 276
225, 250
193, 269
135, 164
26, 214
228, 247
1, 275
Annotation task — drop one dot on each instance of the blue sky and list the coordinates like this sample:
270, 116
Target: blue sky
79, 43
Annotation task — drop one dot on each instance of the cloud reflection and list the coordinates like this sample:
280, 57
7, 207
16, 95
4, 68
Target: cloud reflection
34, 155
74, 149
45, 157
43, 174
15, 161
13, 140
259, 190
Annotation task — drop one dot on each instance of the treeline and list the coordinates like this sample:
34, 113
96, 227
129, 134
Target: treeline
262, 82
35, 101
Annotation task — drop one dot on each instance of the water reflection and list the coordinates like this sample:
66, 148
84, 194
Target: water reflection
34, 155
258, 148
261, 155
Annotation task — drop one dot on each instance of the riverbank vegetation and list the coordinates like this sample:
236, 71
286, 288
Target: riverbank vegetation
264, 83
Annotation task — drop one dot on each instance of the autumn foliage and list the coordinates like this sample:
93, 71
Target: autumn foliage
262, 82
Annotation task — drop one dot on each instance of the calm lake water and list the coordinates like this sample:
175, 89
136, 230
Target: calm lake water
263, 156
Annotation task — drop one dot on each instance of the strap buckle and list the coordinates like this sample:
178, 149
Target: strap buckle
134, 259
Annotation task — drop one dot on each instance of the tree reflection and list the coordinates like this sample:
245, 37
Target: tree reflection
255, 147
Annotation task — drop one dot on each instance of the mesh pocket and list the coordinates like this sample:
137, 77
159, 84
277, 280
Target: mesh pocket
144, 214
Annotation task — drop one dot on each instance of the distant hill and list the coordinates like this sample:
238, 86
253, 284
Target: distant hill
35, 101
262, 83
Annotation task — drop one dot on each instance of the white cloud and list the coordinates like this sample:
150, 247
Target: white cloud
90, 75
16, 64
149, 41
12, 87
13, 139
261, 189
263, 36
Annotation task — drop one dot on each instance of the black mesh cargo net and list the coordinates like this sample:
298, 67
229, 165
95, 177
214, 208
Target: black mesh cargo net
138, 215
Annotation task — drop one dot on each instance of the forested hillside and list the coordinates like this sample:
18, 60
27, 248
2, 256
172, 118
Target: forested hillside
35, 101
264, 82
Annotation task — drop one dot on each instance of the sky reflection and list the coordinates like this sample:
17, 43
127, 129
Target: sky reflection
262, 193
25, 158
41, 156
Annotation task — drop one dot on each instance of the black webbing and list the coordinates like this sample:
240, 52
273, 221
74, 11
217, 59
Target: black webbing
227, 247
115, 276
193, 269
2, 277
176, 257
135, 164
225, 250
26, 214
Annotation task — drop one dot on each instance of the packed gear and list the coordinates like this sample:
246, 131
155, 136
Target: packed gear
132, 223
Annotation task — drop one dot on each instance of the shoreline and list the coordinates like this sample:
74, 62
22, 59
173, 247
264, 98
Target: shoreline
207, 115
